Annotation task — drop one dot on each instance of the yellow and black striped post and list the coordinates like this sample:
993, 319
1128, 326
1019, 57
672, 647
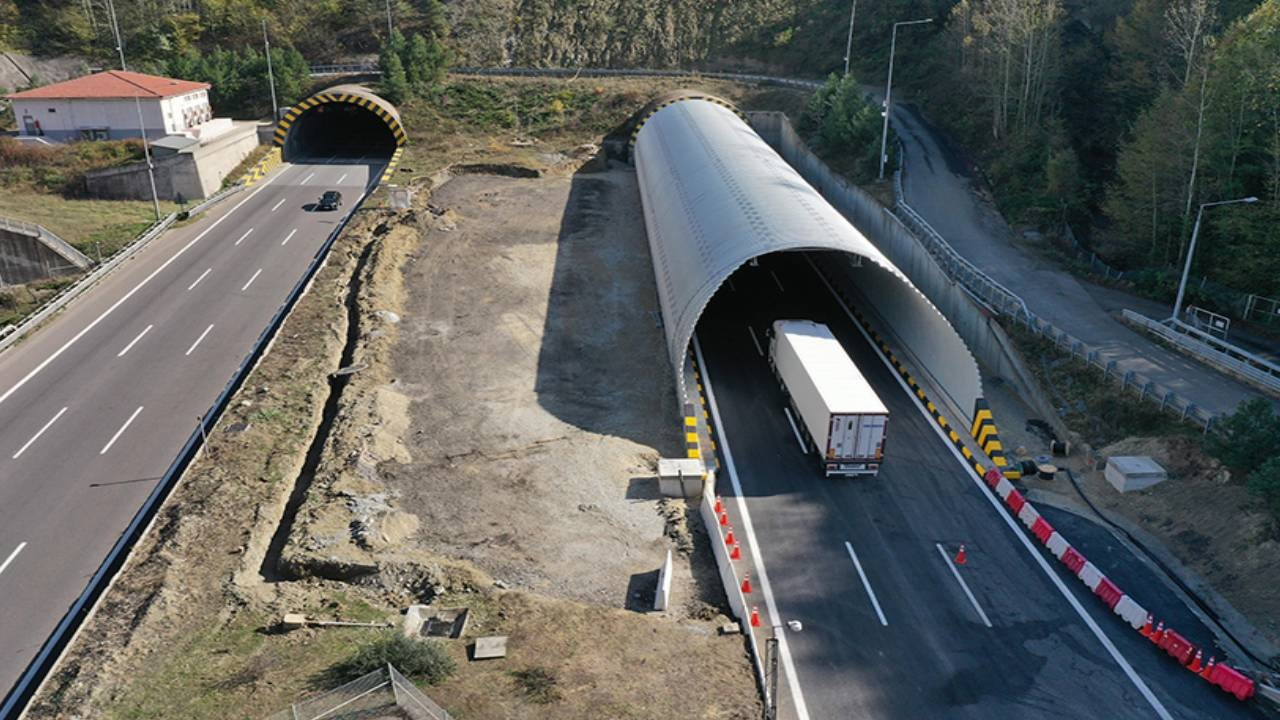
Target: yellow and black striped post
691, 432
984, 431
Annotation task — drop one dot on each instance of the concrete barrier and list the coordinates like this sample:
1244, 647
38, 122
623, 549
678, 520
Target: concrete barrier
662, 599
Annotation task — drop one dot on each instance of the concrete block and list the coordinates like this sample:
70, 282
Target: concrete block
488, 648
1127, 473
662, 599
680, 477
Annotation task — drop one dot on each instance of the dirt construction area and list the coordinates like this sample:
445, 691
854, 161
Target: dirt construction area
466, 410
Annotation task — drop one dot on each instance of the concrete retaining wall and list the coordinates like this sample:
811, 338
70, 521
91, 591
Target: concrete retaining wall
979, 330
25, 258
194, 174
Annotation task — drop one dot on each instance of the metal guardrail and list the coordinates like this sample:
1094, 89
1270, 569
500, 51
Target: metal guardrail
1211, 349
1005, 302
10, 334
364, 68
38, 670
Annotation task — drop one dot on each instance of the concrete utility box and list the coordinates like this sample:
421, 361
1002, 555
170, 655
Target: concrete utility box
1127, 473
681, 477
400, 198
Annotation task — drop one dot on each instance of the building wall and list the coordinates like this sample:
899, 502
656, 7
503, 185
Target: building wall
116, 118
193, 175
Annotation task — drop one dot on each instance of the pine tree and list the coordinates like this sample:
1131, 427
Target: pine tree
395, 84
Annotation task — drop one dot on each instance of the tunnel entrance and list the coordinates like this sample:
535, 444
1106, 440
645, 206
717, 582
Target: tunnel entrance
343, 122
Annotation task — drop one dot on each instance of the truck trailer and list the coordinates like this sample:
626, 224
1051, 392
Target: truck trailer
835, 409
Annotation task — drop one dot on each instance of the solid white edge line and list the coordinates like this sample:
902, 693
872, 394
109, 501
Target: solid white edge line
255, 277
193, 285
288, 237
963, 585
197, 342
795, 430
875, 603
45, 363
277, 205
35, 437
12, 555
754, 341
777, 282
120, 432
784, 649
1110, 647
245, 235
134, 341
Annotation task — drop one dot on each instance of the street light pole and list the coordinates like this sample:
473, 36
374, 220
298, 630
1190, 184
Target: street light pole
146, 151
389, 30
115, 30
771, 668
271, 77
1191, 251
848, 45
888, 91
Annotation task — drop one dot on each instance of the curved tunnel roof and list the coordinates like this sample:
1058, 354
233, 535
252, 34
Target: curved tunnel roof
716, 196
353, 94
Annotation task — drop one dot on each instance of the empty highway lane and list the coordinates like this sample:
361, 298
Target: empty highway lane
96, 405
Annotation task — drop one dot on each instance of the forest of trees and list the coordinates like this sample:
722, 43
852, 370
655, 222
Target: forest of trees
1118, 117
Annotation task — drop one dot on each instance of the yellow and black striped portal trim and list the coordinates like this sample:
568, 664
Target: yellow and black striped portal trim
984, 431
366, 103
391, 165
692, 441
269, 162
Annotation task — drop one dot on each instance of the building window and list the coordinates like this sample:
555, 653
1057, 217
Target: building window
53, 110
95, 134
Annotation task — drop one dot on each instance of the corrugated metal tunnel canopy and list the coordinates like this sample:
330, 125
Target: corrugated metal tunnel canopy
716, 196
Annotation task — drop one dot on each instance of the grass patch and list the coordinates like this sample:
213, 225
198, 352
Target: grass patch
1094, 407
245, 165
60, 168
20, 300
89, 225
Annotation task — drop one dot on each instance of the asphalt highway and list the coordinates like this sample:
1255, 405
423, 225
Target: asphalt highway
892, 628
95, 405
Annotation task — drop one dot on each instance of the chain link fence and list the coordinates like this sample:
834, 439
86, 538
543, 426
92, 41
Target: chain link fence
383, 693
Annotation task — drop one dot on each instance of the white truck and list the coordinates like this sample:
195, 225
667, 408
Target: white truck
838, 412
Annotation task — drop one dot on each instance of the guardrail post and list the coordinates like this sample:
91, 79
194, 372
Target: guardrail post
1187, 408
1110, 367
1150, 387
1164, 401
1128, 377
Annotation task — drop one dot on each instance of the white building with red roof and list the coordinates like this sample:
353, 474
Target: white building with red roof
102, 106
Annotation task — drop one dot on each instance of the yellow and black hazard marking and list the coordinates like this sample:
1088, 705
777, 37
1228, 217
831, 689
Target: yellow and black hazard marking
269, 162
984, 431
391, 165
919, 393
367, 103
693, 447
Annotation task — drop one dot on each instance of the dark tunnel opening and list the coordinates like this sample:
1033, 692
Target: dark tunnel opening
342, 130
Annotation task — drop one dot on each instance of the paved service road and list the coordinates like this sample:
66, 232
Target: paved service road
928, 651
96, 405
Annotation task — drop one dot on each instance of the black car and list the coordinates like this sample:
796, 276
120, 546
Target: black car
330, 200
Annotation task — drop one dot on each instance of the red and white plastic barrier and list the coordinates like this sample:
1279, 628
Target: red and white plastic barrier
1176, 646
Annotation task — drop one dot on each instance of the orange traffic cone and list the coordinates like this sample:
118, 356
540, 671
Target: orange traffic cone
1155, 634
736, 552
724, 518
1195, 665
746, 583
719, 505
755, 616
961, 557
728, 538
1207, 673
1146, 629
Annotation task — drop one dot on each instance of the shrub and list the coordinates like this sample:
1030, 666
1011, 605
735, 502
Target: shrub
538, 684
1265, 484
424, 660
1248, 437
